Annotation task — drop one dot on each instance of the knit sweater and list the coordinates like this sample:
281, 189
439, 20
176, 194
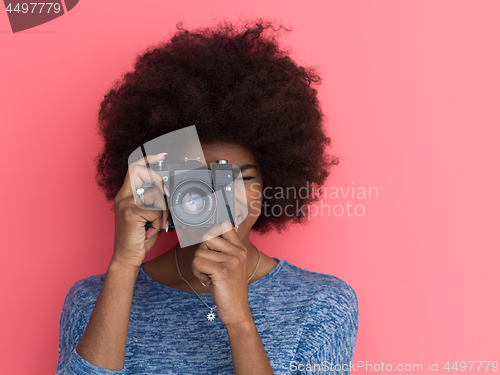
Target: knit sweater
307, 322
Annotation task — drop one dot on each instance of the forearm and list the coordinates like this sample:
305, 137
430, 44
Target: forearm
104, 341
247, 351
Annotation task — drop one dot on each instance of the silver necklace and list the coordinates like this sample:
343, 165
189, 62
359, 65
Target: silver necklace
210, 315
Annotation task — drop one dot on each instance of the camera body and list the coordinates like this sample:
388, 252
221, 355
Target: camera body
199, 197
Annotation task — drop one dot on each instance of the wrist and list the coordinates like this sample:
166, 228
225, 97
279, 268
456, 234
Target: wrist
122, 267
243, 326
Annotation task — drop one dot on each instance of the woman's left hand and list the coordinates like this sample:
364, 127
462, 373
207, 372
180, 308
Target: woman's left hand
223, 260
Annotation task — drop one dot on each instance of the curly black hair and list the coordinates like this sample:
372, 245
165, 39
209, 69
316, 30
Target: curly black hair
236, 86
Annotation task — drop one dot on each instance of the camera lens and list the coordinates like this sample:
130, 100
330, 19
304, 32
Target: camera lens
193, 203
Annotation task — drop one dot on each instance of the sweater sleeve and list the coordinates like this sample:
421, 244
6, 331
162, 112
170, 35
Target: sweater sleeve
72, 325
329, 345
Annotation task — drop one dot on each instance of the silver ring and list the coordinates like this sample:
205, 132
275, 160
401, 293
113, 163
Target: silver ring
140, 191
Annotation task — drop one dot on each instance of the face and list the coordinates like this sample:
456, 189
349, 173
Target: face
252, 178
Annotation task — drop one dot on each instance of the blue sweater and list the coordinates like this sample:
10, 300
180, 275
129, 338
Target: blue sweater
307, 321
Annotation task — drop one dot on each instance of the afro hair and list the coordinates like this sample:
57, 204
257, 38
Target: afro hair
237, 86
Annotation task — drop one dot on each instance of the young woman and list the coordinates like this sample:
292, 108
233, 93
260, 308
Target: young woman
221, 306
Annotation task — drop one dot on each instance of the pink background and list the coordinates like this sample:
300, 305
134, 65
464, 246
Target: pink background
411, 92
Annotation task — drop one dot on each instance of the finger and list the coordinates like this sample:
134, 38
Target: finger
141, 215
166, 213
204, 269
232, 237
214, 256
126, 188
224, 230
152, 197
219, 245
217, 229
240, 200
241, 212
158, 201
154, 229
140, 175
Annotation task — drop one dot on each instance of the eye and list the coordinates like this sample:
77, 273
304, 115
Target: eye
248, 178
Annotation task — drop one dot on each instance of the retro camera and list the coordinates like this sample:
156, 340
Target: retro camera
199, 197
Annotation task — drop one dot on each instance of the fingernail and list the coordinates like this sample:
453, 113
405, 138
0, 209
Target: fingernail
146, 240
202, 283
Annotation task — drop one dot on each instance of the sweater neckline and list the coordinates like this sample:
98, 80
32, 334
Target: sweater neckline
250, 287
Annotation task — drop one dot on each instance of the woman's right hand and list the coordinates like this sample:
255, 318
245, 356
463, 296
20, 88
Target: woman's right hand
130, 246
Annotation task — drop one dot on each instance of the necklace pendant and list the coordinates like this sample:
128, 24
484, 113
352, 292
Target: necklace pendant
210, 315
